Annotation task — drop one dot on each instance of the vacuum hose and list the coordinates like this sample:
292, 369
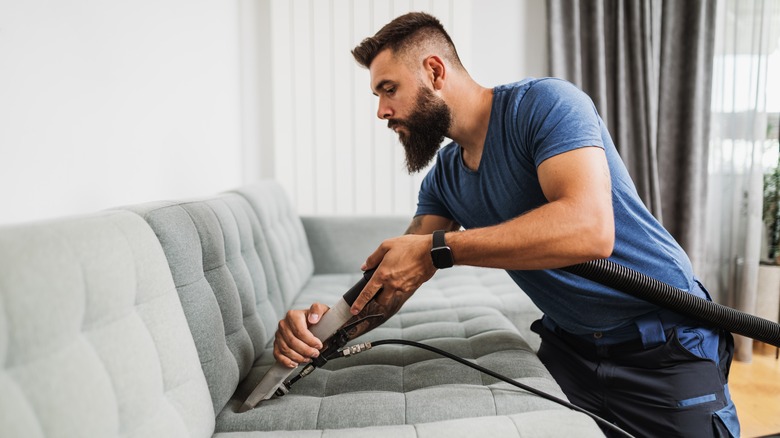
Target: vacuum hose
649, 289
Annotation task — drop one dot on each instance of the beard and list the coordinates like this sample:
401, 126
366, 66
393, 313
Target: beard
425, 129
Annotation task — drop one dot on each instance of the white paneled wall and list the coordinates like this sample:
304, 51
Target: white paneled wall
329, 150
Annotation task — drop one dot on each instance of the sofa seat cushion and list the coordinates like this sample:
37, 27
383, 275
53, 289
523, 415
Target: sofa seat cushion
536, 424
467, 286
459, 287
394, 385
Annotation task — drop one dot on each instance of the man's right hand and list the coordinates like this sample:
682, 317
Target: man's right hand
294, 343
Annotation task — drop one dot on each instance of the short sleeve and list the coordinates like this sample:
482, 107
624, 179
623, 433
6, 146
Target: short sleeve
557, 117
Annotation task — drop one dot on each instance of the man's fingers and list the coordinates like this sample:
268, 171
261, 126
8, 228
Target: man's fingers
282, 353
297, 342
371, 289
315, 313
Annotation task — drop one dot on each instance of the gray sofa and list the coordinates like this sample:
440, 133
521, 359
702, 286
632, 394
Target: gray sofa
157, 320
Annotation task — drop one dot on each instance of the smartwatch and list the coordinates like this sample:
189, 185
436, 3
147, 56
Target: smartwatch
441, 254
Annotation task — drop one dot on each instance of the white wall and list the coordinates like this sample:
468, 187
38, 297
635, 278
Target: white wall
104, 103
107, 103
509, 41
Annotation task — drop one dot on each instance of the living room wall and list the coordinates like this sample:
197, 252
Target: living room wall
105, 104
110, 103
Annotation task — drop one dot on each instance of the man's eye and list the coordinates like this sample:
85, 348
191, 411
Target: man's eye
390, 90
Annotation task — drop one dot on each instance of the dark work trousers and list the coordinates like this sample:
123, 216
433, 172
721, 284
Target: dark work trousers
666, 390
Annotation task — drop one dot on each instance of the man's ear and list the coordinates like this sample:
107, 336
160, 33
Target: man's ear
436, 71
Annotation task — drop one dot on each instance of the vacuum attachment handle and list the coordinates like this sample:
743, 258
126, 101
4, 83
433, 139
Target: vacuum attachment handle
331, 321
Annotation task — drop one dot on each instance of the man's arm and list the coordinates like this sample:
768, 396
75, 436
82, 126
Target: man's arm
576, 225
427, 224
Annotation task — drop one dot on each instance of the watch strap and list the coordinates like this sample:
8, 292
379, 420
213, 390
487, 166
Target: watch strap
438, 239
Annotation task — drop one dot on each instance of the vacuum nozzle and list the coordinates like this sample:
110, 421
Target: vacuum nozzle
331, 321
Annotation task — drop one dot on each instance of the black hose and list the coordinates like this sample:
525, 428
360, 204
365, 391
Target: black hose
649, 289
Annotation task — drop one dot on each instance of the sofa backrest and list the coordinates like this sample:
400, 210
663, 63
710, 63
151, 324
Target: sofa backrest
222, 269
93, 340
286, 236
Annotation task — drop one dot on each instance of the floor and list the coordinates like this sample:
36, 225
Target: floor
755, 389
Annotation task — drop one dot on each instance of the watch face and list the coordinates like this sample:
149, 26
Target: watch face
442, 257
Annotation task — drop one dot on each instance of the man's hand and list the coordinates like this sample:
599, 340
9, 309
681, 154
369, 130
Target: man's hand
403, 264
294, 343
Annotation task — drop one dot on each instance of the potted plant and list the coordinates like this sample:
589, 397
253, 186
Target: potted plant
768, 294
772, 216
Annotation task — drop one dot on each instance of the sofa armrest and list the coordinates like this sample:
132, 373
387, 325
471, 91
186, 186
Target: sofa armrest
340, 244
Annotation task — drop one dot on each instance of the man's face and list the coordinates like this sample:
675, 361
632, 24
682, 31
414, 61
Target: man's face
419, 117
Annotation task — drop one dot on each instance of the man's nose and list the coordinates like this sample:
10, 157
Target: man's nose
384, 111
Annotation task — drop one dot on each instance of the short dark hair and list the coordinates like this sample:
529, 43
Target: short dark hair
403, 33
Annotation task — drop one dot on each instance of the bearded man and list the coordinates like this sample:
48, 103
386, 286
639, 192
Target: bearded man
535, 182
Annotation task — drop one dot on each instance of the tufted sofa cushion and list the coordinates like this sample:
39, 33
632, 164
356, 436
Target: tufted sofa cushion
93, 340
287, 242
396, 385
466, 286
458, 287
536, 424
222, 268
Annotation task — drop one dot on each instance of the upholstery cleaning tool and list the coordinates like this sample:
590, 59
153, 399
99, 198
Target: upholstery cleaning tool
324, 330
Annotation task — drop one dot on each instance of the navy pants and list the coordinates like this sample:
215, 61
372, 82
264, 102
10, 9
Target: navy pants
674, 389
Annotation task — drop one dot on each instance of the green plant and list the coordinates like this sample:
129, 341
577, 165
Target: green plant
772, 211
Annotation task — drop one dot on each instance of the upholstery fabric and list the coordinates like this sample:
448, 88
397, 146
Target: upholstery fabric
286, 236
392, 385
536, 424
457, 287
224, 274
341, 244
93, 340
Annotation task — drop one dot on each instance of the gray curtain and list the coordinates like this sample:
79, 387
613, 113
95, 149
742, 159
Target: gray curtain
647, 65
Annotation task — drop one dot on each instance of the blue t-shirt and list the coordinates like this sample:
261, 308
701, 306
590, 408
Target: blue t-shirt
531, 121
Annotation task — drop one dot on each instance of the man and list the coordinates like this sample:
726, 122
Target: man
533, 177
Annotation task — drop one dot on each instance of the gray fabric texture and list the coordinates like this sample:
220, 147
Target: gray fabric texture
457, 287
222, 269
287, 242
391, 385
536, 424
340, 245
647, 65
93, 340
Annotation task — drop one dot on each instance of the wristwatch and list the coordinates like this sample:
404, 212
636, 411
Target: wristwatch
441, 254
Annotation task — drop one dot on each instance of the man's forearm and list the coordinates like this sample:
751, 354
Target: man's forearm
427, 224
551, 236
